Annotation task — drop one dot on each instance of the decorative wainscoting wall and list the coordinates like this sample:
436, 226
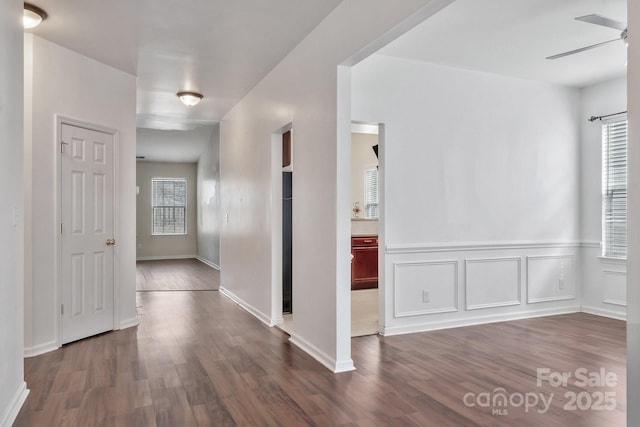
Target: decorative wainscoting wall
431, 287
604, 283
493, 282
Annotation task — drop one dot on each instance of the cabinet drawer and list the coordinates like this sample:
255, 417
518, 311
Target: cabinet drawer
364, 241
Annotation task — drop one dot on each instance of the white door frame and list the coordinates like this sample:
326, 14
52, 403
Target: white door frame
62, 120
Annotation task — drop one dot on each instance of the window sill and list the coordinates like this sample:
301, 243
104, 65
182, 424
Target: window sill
168, 235
612, 260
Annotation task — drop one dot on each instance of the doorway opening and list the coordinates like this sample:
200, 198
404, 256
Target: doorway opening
282, 193
287, 225
365, 232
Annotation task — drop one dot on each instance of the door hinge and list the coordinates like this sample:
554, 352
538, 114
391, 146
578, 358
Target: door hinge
60, 228
61, 309
62, 144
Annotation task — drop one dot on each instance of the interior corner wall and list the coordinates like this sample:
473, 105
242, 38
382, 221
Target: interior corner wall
603, 280
65, 83
303, 90
481, 193
151, 247
209, 221
13, 390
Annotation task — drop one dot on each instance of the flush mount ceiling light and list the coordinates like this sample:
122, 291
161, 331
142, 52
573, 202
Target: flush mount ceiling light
189, 98
32, 16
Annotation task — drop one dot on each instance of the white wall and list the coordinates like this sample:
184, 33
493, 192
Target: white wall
28, 170
71, 85
13, 390
460, 142
209, 221
165, 247
304, 90
603, 280
481, 193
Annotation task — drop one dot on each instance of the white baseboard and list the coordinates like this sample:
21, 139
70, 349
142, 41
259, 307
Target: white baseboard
344, 366
11, 413
40, 349
327, 361
604, 312
164, 258
433, 326
248, 307
313, 351
129, 323
209, 263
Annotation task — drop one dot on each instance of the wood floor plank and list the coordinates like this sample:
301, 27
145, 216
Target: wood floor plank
197, 359
176, 275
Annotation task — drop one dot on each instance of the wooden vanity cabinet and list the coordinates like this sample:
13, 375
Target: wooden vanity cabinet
364, 264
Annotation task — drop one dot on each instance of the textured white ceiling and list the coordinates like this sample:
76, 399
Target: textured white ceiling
513, 37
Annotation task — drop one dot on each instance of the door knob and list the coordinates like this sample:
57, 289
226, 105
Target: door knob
111, 242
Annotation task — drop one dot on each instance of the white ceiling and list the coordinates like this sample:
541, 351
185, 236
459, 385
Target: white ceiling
513, 37
224, 48
219, 48
103, 30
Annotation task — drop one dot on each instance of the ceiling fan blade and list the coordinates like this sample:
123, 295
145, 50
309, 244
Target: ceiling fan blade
601, 20
582, 49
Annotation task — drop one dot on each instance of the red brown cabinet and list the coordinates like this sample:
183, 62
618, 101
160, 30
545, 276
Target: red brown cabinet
364, 264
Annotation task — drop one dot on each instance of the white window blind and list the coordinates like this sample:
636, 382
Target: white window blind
614, 189
169, 206
371, 193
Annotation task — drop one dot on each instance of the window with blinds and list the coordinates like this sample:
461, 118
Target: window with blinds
169, 206
614, 189
371, 193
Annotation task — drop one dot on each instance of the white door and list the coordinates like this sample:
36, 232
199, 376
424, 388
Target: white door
87, 233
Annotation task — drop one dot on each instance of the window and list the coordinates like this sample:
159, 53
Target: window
614, 189
169, 206
371, 193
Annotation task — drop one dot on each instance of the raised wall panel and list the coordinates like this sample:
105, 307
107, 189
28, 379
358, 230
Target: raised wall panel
614, 287
492, 282
550, 278
425, 287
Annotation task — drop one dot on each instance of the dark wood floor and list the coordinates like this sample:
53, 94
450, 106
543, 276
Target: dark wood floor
197, 359
176, 275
